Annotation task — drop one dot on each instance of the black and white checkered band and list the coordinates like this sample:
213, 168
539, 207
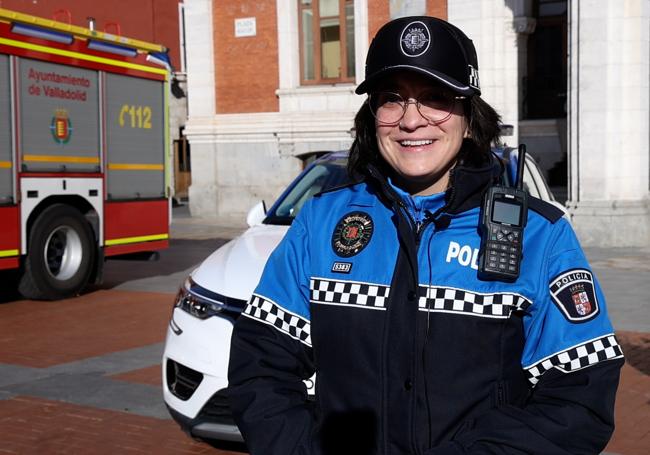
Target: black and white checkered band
272, 314
581, 356
349, 293
452, 300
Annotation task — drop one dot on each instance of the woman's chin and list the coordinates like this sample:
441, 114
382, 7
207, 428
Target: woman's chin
422, 183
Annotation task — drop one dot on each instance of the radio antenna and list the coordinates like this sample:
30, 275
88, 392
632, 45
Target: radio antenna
521, 160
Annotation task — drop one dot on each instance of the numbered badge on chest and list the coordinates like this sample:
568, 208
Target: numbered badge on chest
352, 234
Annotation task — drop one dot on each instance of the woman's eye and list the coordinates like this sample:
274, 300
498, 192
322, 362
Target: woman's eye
389, 98
435, 99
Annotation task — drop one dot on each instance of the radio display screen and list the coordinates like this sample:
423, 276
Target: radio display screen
506, 212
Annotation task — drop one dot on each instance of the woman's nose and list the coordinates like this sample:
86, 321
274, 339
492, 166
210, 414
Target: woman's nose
412, 118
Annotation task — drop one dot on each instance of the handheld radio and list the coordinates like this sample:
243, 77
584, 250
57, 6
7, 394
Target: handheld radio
503, 217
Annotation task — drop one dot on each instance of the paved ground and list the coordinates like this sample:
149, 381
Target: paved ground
83, 375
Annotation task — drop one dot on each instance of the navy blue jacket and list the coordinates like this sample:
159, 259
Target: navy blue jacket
378, 293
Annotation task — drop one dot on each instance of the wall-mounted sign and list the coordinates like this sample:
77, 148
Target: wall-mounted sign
402, 8
245, 26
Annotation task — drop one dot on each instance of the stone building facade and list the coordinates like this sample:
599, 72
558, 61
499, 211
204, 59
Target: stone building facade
570, 76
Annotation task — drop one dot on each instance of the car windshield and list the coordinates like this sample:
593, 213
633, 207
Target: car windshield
328, 173
321, 176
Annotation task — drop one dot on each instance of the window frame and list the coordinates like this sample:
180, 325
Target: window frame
317, 56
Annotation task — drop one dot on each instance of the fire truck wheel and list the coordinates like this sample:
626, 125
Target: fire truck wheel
60, 255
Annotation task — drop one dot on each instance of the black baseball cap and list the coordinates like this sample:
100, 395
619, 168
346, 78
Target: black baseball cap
426, 45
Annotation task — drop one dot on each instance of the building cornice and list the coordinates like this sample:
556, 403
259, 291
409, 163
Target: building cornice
271, 126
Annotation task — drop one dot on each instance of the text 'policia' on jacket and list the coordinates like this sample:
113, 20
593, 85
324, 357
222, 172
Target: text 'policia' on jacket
422, 357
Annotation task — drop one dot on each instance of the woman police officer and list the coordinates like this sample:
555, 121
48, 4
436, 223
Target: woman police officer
414, 353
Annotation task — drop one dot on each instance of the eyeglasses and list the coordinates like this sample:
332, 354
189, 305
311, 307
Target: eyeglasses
389, 107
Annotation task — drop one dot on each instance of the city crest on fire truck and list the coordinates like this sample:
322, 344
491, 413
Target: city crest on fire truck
61, 126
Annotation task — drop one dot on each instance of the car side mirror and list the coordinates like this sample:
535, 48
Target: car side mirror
256, 214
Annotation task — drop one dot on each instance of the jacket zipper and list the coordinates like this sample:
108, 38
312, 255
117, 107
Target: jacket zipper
419, 225
501, 398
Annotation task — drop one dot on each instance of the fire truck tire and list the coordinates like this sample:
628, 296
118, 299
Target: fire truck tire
61, 253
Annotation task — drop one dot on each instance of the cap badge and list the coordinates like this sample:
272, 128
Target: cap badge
415, 39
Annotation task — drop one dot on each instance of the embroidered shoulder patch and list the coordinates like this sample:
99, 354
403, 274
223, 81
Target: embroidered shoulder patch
574, 294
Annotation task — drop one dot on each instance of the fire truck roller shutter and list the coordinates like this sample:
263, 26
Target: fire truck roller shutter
59, 113
135, 137
6, 166
60, 254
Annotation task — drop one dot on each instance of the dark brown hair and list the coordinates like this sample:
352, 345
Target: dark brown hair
483, 132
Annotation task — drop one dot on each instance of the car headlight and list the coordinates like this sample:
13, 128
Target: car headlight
197, 305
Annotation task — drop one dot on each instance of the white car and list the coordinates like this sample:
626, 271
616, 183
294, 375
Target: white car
195, 359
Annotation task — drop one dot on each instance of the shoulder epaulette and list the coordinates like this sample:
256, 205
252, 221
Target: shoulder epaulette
547, 210
337, 188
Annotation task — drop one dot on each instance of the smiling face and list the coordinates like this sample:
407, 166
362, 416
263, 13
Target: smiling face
421, 154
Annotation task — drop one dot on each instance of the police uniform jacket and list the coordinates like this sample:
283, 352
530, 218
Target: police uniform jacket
377, 292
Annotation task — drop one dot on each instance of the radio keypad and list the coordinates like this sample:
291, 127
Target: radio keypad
503, 250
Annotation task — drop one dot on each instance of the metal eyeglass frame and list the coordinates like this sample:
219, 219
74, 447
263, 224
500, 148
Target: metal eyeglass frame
408, 101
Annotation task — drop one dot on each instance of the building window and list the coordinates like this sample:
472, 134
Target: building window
326, 41
545, 93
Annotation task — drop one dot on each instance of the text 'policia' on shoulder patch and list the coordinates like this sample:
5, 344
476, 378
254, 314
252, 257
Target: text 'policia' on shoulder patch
574, 294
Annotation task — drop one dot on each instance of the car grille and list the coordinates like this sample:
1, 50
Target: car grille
217, 409
181, 380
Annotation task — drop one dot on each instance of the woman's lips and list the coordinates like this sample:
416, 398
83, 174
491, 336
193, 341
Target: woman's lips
415, 143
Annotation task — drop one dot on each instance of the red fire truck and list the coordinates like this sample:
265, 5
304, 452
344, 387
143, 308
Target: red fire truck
83, 152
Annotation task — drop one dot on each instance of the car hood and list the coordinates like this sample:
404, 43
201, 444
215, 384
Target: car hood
234, 269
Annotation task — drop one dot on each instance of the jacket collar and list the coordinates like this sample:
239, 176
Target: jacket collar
419, 206
469, 183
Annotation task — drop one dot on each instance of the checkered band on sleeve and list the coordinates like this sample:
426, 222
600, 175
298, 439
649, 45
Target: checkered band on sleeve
272, 314
356, 294
451, 300
578, 357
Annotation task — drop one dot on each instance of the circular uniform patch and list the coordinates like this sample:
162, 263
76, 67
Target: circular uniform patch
352, 234
415, 39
